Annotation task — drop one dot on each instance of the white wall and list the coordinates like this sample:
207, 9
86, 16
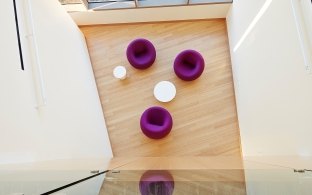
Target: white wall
151, 14
273, 89
71, 125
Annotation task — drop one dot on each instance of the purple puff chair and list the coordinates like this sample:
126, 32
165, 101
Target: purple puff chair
157, 182
189, 65
141, 53
156, 122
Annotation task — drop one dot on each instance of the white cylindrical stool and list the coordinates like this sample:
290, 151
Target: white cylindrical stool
164, 91
120, 72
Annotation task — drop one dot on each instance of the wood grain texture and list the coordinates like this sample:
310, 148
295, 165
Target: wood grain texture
203, 111
176, 163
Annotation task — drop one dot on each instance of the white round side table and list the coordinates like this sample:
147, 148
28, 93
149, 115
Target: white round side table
120, 72
164, 91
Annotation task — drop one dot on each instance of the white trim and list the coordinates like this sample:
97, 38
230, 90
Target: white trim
301, 35
42, 101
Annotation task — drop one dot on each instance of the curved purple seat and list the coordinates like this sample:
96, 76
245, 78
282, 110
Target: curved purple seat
158, 182
156, 122
189, 65
141, 53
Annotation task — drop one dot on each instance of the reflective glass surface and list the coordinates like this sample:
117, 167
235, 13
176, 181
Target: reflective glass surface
133, 178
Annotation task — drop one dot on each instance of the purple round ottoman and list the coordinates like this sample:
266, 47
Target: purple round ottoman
156, 182
156, 122
189, 65
141, 53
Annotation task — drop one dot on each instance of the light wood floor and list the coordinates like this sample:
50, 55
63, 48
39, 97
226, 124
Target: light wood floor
204, 111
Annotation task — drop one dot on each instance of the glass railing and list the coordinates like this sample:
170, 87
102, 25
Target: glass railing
35, 182
179, 182
53, 176
84, 186
269, 181
255, 178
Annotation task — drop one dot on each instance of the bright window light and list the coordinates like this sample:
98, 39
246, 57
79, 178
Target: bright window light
253, 23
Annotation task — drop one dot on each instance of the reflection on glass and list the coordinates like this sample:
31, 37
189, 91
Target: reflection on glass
153, 3
170, 182
64, 2
101, 1
156, 182
110, 4
120, 4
